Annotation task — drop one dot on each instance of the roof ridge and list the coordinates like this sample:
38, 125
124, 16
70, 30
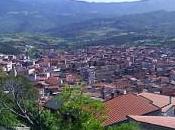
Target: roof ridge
120, 96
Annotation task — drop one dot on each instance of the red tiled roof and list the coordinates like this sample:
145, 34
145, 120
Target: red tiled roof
39, 69
118, 108
168, 122
122, 84
71, 78
158, 100
106, 85
52, 81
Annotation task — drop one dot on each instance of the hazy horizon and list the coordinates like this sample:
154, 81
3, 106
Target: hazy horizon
106, 1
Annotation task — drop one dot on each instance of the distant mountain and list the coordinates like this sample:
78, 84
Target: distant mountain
42, 15
156, 20
153, 27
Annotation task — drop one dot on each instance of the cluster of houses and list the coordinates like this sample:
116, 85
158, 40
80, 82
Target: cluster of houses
151, 111
135, 83
45, 74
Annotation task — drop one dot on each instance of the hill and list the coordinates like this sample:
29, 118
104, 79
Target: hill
154, 28
42, 15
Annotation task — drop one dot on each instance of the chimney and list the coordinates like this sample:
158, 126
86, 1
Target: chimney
170, 99
34, 62
103, 93
35, 77
48, 74
112, 95
124, 92
15, 72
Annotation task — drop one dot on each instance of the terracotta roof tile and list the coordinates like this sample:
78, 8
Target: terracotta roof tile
158, 100
168, 122
72, 78
52, 81
118, 108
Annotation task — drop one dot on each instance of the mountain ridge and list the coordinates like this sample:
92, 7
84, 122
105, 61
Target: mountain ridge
40, 16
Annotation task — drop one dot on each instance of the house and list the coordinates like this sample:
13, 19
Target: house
53, 86
168, 90
6, 65
154, 122
106, 90
49, 87
118, 108
72, 79
165, 103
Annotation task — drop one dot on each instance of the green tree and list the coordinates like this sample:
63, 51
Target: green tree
78, 111
2, 74
125, 126
74, 110
33, 53
18, 105
16, 93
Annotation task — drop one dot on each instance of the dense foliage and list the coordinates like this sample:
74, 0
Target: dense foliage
125, 126
8, 48
74, 110
18, 106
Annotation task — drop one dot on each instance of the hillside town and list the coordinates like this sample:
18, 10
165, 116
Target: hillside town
134, 83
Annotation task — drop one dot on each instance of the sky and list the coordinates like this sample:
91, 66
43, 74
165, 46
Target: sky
110, 0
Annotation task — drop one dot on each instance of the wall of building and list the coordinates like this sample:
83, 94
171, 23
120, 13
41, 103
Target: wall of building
170, 112
155, 113
144, 126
